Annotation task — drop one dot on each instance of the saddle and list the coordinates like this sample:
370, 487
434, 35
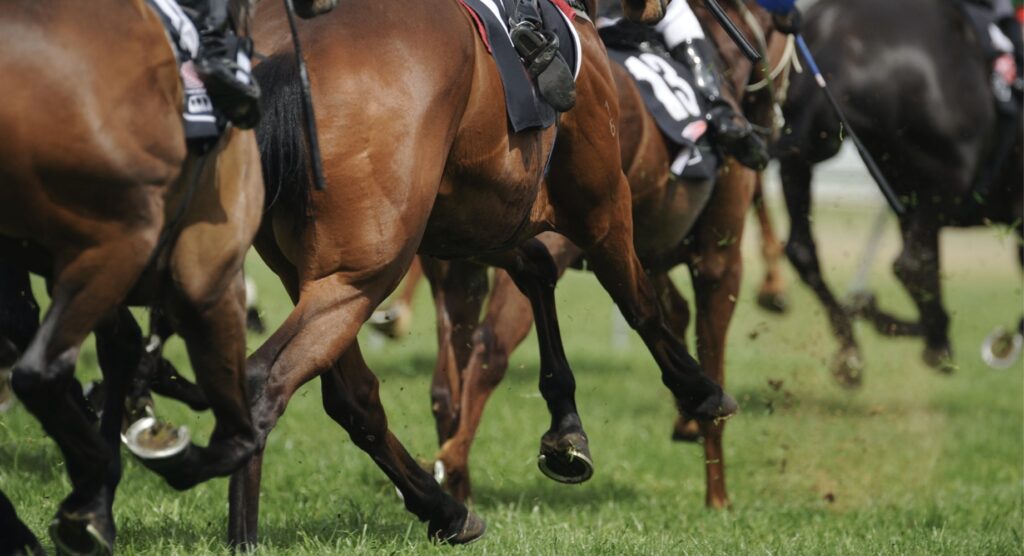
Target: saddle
523, 103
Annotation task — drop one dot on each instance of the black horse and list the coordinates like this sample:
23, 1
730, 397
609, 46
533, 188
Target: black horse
915, 81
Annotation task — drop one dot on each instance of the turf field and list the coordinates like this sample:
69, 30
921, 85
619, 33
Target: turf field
913, 463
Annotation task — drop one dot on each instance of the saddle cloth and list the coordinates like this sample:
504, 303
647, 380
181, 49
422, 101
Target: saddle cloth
667, 89
198, 116
525, 108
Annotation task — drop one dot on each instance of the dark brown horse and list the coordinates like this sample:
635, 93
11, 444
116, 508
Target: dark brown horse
419, 157
920, 97
677, 222
98, 194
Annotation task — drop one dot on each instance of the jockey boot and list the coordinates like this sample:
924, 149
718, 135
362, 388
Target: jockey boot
224, 65
732, 132
539, 50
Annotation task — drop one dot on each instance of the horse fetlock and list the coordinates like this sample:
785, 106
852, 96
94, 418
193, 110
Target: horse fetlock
939, 357
89, 531
848, 367
716, 405
33, 380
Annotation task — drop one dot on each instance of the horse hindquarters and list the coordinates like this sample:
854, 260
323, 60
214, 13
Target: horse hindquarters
341, 251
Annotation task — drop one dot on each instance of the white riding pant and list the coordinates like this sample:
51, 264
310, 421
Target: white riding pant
679, 25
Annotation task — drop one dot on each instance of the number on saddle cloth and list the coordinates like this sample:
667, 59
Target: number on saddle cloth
202, 124
666, 85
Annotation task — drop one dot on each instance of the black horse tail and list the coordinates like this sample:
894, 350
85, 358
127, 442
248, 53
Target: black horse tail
284, 150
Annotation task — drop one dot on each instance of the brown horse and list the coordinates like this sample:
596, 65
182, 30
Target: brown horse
432, 166
99, 195
677, 222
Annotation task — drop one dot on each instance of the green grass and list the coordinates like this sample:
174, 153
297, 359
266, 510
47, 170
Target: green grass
913, 463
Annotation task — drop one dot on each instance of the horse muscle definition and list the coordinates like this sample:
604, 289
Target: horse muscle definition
678, 222
432, 167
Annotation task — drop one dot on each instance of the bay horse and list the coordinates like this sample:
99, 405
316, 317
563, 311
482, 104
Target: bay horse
919, 96
696, 223
419, 157
98, 194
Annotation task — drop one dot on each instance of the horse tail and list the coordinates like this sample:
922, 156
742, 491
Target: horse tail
284, 152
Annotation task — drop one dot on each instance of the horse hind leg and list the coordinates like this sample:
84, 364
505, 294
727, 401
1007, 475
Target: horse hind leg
317, 338
351, 397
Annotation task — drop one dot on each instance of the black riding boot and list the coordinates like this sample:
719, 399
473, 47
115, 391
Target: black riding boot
223, 63
732, 131
539, 50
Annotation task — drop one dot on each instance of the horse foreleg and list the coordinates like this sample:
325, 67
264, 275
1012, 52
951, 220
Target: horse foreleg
211, 321
847, 365
459, 289
716, 280
917, 268
17, 539
772, 294
85, 290
614, 262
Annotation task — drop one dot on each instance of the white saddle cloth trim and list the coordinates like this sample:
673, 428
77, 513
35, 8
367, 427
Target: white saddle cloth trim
679, 25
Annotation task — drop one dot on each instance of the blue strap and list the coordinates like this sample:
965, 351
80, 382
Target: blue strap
778, 6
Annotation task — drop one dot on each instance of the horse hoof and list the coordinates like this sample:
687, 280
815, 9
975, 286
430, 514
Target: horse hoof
1001, 349
773, 302
714, 409
77, 535
848, 368
150, 439
939, 358
393, 322
566, 459
685, 430
470, 531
